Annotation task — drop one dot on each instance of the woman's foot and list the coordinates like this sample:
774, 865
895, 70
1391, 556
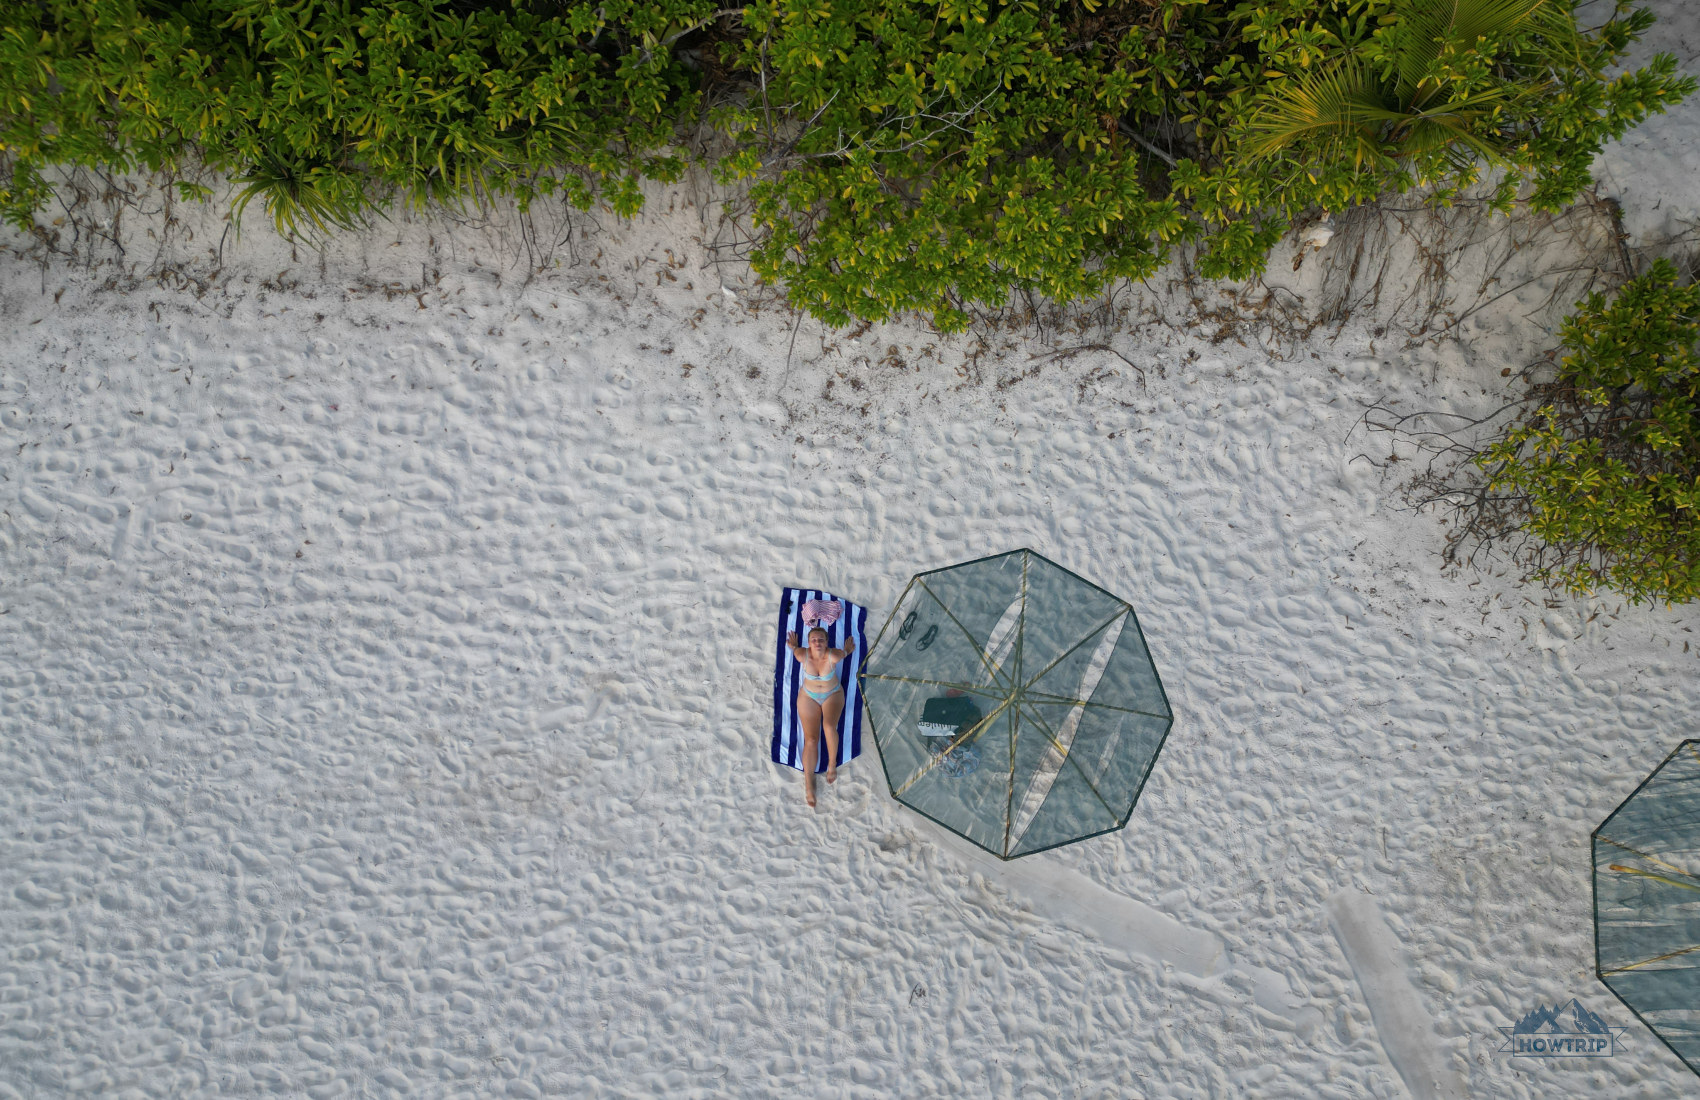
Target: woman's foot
832, 773
809, 789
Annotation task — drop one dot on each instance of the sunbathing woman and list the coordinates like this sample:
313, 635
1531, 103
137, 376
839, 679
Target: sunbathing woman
819, 703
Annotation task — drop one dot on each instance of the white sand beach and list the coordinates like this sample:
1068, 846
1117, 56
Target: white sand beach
385, 679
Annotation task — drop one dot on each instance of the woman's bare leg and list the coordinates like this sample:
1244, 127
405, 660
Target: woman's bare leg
808, 712
830, 710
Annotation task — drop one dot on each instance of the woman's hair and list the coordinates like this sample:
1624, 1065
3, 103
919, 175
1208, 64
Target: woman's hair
821, 631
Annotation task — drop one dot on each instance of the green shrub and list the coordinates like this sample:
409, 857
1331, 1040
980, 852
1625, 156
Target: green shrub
932, 155
323, 108
1606, 471
1355, 98
950, 153
936, 155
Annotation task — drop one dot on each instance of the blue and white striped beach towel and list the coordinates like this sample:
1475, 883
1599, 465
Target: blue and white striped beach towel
787, 673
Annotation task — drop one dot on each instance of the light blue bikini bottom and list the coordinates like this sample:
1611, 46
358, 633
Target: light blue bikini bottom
823, 696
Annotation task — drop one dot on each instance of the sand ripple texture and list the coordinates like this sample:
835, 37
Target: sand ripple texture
385, 697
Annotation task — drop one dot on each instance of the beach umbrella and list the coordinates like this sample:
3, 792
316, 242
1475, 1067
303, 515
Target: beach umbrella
1014, 703
1647, 902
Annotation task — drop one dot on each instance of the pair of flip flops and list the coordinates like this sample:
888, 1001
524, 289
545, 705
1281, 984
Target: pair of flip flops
908, 627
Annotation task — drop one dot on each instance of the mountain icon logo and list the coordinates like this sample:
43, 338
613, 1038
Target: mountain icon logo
1570, 1019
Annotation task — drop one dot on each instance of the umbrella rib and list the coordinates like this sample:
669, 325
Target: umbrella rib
1068, 755
1619, 868
1050, 734
880, 637
1654, 959
1014, 693
1622, 870
979, 650
1009, 796
978, 689
1090, 634
1063, 700
960, 738
1650, 859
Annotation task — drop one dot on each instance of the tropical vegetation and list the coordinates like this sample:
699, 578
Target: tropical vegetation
932, 155
1603, 468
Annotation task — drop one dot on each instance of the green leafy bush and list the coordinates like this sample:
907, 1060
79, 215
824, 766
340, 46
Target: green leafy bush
1354, 98
949, 154
1605, 472
323, 108
932, 155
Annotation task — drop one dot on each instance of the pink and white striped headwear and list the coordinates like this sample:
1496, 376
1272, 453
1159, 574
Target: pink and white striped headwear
821, 613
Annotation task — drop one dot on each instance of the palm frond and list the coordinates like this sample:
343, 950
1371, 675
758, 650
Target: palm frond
1424, 27
1449, 136
1553, 20
1338, 109
1455, 116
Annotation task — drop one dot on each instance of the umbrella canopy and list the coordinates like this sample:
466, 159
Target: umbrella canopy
1014, 703
1647, 902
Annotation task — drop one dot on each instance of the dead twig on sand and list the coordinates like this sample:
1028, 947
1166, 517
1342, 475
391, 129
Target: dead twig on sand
1069, 353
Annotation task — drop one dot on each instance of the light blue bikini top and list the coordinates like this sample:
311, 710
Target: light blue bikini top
807, 675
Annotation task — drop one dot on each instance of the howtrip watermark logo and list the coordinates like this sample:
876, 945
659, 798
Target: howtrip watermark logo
1567, 1031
